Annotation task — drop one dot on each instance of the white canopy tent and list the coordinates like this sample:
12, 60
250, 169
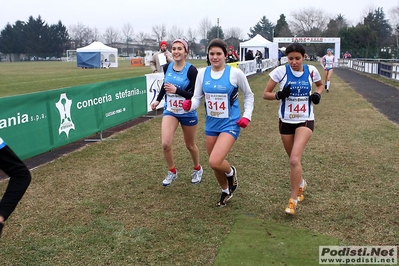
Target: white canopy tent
97, 51
268, 48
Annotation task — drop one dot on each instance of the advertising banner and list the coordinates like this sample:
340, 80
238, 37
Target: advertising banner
35, 123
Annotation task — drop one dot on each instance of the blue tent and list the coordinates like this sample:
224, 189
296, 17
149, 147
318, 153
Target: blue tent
89, 59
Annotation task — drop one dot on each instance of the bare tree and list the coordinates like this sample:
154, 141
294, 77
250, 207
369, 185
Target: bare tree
233, 37
96, 35
91, 35
111, 35
234, 32
175, 33
143, 39
80, 35
204, 27
309, 22
192, 42
394, 19
191, 34
159, 32
127, 31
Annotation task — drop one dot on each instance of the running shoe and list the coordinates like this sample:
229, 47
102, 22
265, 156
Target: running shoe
196, 176
223, 200
302, 188
169, 179
233, 181
291, 207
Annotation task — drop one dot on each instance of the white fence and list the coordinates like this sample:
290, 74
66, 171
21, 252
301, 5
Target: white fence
252, 67
385, 68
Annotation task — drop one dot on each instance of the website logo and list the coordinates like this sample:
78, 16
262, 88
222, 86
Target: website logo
363, 255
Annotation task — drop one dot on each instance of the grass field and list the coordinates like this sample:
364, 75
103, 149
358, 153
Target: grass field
105, 205
27, 77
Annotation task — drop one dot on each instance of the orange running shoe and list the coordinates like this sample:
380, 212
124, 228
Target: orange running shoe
302, 188
291, 206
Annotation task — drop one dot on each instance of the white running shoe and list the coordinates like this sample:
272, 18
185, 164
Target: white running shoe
169, 179
196, 176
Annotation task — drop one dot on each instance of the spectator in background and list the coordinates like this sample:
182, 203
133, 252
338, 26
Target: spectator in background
249, 55
105, 63
347, 55
232, 56
160, 58
259, 58
280, 55
20, 178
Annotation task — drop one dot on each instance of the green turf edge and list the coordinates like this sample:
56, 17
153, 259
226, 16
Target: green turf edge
254, 241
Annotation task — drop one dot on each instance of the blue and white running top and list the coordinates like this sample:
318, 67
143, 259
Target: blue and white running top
221, 98
174, 102
297, 108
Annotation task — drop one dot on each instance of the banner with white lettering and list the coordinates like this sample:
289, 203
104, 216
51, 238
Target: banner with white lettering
35, 123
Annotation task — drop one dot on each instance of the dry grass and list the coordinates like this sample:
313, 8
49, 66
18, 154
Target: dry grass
104, 204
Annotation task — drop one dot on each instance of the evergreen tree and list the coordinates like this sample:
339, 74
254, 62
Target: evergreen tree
215, 32
60, 39
335, 25
9, 41
379, 27
282, 29
34, 38
264, 28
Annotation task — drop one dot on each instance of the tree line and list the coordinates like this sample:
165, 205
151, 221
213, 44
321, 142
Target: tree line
374, 37
34, 37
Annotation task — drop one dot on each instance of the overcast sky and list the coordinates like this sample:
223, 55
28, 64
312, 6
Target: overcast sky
142, 14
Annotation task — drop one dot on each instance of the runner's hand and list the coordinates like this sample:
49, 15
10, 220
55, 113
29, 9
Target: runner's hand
315, 97
243, 122
280, 95
186, 105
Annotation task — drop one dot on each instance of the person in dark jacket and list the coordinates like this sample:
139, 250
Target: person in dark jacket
249, 55
20, 179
